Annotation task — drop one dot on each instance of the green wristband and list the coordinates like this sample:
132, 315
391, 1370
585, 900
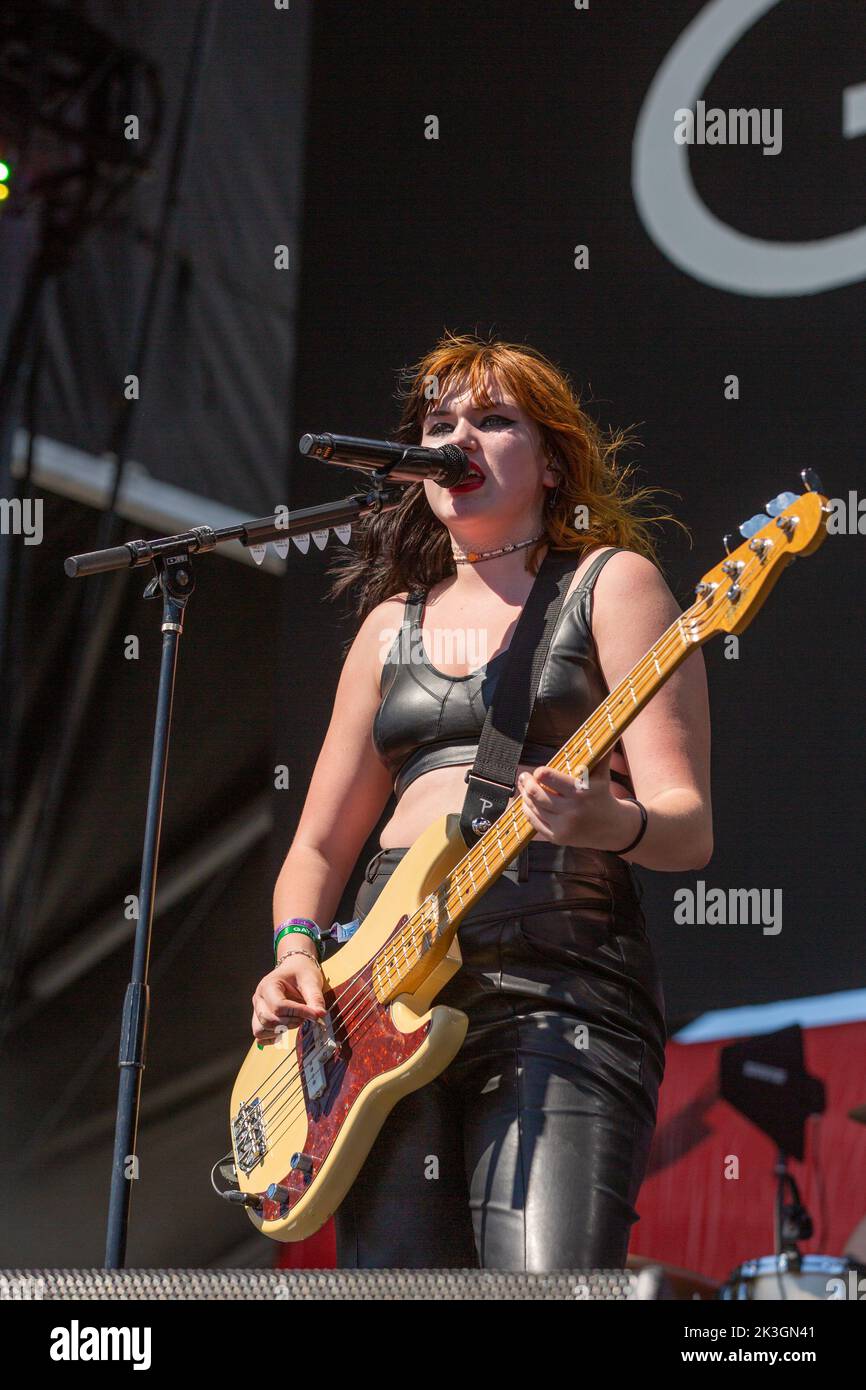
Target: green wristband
306, 932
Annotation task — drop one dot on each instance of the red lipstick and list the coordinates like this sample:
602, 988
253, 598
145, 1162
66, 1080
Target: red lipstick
470, 486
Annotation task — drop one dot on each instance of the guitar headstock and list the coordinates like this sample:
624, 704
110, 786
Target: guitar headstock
729, 596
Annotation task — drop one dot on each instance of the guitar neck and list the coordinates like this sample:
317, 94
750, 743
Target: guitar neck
586, 748
438, 917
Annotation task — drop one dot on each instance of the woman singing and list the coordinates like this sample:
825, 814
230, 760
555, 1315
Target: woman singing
528, 1151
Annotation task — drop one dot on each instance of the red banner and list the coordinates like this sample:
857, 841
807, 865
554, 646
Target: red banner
708, 1199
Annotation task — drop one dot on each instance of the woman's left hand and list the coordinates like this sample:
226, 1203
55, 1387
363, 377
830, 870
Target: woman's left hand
577, 811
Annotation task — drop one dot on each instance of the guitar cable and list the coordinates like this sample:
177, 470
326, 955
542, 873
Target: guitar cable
246, 1199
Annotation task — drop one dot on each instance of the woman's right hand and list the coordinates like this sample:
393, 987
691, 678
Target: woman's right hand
286, 997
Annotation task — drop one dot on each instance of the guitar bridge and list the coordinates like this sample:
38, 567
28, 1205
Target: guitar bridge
248, 1130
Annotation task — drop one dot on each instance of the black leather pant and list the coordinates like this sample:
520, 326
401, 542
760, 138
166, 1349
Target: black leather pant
528, 1151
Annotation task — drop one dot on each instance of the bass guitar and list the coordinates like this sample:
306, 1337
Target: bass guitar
306, 1110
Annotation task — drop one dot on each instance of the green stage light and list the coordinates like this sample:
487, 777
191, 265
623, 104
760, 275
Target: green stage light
4, 171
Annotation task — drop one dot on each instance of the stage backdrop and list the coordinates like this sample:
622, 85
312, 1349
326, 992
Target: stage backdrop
214, 394
210, 445
458, 160
510, 167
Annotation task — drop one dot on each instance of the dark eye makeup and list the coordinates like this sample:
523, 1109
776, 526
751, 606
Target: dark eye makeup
507, 420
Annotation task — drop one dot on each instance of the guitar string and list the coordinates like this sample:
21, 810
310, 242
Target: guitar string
388, 953
276, 1134
293, 1087
672, 638
513, 815
660, 649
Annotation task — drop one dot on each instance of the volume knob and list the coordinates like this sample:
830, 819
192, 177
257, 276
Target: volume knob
301, 1162
276, 1193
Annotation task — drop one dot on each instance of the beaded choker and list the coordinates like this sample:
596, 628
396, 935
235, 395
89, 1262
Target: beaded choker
473, 556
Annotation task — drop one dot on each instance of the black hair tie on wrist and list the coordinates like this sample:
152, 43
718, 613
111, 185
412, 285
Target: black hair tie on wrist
643, 824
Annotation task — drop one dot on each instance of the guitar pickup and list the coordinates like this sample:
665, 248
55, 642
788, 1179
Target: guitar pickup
319, 1047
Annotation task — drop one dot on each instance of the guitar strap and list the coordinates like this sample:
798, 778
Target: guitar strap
491, 777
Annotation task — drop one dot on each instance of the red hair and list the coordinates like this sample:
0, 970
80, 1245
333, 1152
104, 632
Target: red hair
410, 548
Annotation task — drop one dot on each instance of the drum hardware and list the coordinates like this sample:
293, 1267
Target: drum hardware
765, 1079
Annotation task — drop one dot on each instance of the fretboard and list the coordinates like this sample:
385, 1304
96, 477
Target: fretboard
438, 917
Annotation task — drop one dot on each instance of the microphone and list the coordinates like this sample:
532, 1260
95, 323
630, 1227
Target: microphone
448, 466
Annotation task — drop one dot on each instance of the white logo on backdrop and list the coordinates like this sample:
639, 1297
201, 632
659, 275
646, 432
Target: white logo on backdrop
669, 205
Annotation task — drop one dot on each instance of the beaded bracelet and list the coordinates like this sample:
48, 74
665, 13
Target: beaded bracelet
296, 925
286, 955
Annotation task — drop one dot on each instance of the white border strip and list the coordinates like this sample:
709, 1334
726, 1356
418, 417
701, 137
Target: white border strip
817, 1011
143, 499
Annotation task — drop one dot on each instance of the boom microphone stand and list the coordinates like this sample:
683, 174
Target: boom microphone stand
174, 578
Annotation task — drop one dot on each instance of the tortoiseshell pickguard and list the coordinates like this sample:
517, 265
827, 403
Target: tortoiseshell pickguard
369, 1046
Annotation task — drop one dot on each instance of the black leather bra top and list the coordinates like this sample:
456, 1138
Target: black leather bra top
427, 719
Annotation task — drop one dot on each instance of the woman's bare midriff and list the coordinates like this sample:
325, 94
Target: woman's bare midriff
442, 790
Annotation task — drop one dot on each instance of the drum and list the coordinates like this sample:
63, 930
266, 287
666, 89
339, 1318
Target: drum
783, 1277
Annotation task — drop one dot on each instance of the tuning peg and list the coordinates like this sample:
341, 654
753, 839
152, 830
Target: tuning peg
753, 525
811, 481
779, 503
727, 542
